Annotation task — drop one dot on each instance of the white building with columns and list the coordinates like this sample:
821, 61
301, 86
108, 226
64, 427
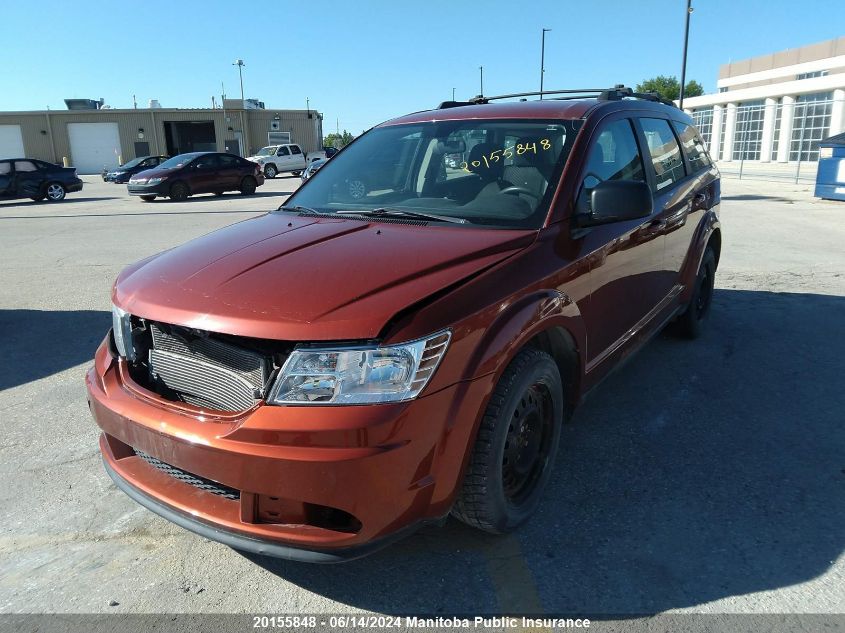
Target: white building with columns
777, 107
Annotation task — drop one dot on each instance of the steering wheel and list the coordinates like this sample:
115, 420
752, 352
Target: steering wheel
513, 189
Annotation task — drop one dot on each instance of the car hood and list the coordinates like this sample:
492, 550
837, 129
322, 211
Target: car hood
300, 278
155, 172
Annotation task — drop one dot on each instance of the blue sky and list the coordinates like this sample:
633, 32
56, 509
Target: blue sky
366, 61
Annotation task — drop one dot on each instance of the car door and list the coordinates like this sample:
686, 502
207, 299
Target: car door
297, 158
28, 179
204, 174
700, 193
673, 195
625, 259
230, 172
7, 189
283, 159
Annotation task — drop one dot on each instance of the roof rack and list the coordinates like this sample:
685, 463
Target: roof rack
617, 93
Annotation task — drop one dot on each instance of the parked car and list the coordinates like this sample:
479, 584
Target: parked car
318, 381
280, 159
197, 172
122, 174
330, 151
36, 179
312, 168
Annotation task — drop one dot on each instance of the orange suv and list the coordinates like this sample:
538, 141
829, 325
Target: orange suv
403, 339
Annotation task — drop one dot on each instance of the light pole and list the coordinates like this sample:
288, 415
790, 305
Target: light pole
240, 64
453, 94
481, 70
543, 61
684, 63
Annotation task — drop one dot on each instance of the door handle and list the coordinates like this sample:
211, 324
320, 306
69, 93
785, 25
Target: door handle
700, 198
657, 224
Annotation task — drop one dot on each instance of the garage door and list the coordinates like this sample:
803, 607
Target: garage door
11, 142
93, 146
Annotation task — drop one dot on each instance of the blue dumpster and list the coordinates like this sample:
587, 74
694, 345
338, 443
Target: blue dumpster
830, 178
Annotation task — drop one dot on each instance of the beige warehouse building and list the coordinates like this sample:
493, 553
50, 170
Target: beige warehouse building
94, 139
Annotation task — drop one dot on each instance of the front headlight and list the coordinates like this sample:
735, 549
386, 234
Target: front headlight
155, 181
359, 375
122, 327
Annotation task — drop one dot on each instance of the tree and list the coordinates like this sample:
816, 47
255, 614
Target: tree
338, 140
670, 87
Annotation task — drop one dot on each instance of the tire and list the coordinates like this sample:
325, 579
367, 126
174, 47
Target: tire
270, 171
296, 173
691, 323
179, 191
248, 186
516, 446
148, 198
219, 193
55, 192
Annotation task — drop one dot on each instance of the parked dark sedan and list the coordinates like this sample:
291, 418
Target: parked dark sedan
36, 179
197, 172
122, 174
312, 168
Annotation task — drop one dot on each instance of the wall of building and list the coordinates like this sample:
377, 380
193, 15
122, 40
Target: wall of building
45, 134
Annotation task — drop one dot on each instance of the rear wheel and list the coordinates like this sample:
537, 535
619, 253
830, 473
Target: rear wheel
248, 185
148, 198
179, 191
270, 171
691, 323
516, 446
55, 192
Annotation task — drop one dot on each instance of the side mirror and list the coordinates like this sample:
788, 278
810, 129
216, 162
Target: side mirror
617, 201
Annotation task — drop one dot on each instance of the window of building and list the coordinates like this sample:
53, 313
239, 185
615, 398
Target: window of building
723, 89
810, 124
748, 132
703, 120
817, 73
664, 150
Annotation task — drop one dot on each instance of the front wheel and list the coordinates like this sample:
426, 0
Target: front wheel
148, 198
691, 323
248, 185
516, 445
179, 191
296, 173
55, 192
270, 171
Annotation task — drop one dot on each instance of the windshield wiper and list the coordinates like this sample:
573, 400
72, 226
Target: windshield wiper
299, 209
399, 213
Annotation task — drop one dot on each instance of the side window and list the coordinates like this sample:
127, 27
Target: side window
693, 146
283, 151
229, 162
294, 149
664, 150
614, 155
5, 169
150, 162
206, 162
25, 165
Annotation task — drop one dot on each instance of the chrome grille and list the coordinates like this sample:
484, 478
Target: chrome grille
195, 480
207, 372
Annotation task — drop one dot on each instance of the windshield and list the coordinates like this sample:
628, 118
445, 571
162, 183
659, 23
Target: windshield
179, 161
267, 151
498, 173
132, 163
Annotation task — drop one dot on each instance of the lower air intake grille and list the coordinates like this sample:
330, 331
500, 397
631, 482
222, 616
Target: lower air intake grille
206, 372
197, 482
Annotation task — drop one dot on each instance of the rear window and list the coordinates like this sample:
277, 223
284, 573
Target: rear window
693, 146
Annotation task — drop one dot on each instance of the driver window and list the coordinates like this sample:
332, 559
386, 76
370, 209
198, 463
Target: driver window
613, 156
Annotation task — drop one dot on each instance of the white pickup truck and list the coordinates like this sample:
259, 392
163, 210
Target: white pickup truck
279, 159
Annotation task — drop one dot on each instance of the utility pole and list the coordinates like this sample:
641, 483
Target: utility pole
240, 64
453, 94
134, 102
684, 63
543, 60
481, 70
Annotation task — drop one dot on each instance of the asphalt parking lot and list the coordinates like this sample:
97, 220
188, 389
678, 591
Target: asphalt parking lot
705, 476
